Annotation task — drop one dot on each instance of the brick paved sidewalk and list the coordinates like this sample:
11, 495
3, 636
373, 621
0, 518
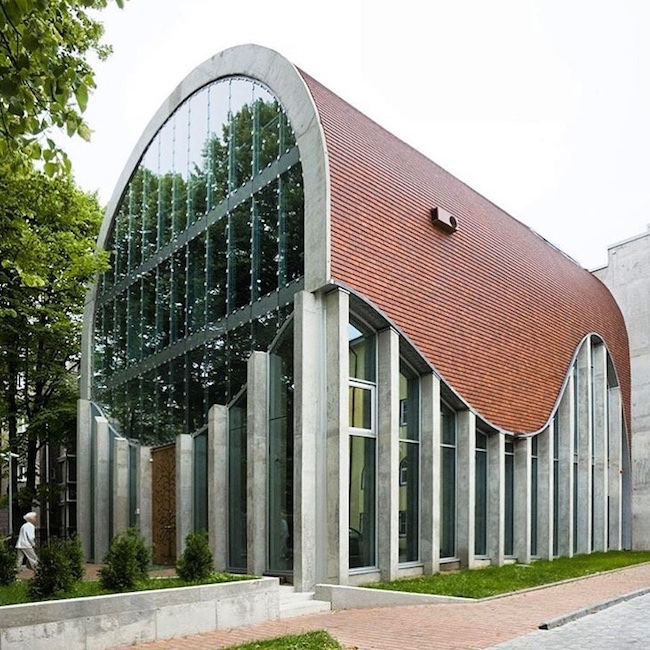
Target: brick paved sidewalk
445, 626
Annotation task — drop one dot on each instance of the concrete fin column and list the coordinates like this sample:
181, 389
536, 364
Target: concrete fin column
430, 474
257, 408
545, 492
145, 494
522, 499
102, 488
615, 468
85, 519
600, 451
184, 490
338, 445
309, 469
496, 450
218, 485
565, 422
585, 448
120, 485
388, 453
466, 486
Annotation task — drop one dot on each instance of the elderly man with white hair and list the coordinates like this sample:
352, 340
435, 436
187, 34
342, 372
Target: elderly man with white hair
26, 543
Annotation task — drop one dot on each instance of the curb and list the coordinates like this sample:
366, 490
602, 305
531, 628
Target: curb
580, 613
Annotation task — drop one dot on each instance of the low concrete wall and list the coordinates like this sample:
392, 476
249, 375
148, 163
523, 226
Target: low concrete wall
122, 619
345, 597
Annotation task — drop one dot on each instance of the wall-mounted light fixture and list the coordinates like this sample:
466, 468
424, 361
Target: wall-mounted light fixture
444, 220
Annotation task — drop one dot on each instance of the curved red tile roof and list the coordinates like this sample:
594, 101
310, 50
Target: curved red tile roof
495, 308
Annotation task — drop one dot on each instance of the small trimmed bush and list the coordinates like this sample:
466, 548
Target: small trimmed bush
8, 568
76, 558
56, 572
126, 562
195, 563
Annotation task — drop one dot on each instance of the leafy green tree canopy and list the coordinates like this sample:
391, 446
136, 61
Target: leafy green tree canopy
45, 79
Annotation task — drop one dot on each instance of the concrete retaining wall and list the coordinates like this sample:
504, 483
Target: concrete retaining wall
122, 619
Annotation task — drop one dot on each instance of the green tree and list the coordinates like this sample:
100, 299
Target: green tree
45, 79
48, 255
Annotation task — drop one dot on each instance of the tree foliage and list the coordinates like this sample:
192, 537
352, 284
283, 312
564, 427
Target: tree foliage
48, 255
45, 78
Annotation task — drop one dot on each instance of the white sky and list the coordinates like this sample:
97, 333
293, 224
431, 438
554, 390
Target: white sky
543, 106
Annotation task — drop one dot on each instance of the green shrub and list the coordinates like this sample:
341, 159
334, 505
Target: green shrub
56, 571
8, 568
126, 562
76, 558
196, 562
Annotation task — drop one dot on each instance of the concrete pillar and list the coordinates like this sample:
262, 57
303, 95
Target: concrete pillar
388, 453
338, 445
600, 517
615, 469
184, 490
565, 422
466, 486
430, 474
218, 485
309, 467
522, 500
585, 448
545, 492
85, 515
145, 494
120, 485
102, 489
496, 498
257, 408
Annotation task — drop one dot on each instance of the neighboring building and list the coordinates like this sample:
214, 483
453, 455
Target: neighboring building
334, 356
627, 275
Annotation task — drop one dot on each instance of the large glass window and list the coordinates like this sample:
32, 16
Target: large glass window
409, 465
208, 233
363, 445
200, 481
447, 482
534, 493
509, 515
237, 462
556, 483
481, 495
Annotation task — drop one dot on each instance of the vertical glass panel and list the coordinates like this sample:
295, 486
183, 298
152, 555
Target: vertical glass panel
216, 150
198, 138
280, 475
215, 374
195, 391
177, 396
135, 219
166, 183
534, 491
362, 502
265, 240
181, 162
132, 424
163, 305
409, 490
150, 414
133, 486
109, 337
133, 332
196, 287
409, 406
239, 254
122, 239
509, 518
267, 128
448, 502
200, 482
237, 461
239, 346
241, 132
149, 202
480, 508
217, 271
362, 354
360, 403
264, 331
148, 314
179, 294
99, 349
287, 137
120, 331
292, 209
165, 424
556, 483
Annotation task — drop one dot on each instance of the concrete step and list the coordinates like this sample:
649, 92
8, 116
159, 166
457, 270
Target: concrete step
298, 603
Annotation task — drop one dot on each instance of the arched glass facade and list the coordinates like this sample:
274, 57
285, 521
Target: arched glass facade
207, 248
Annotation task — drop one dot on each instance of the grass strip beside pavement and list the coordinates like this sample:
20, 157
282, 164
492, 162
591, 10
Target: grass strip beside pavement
319, 640
491, 581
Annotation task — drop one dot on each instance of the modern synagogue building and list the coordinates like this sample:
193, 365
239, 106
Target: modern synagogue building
335, 357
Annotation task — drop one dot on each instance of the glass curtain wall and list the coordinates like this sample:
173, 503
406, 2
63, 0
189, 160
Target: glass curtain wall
280, 472
363, 448
481, 494
447, 482
409, 466
207, 251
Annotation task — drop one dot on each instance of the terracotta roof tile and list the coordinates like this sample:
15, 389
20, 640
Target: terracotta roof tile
495, 308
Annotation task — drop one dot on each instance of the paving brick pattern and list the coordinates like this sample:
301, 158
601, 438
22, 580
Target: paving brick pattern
462, 626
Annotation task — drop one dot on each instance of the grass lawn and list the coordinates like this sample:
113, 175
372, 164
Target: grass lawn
490, 581
318, 640
17, 592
